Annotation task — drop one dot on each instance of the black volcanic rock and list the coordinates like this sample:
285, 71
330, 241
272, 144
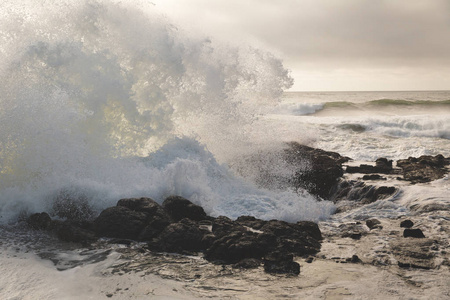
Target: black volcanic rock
179, 237
156, 217
406, 224
359, 192
74, 231
426, 168
280, 263
382, 166
373, 177
251, 222
222, 226
239, 245
373, 223
324, 172
120, 222
39, 221
145, 205
300, 239
179, 208
415, 233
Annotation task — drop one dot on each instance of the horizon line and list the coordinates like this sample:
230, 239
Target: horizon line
343, 91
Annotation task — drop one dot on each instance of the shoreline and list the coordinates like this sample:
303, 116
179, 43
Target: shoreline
353, 254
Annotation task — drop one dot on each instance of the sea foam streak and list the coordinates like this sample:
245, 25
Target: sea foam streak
110, 100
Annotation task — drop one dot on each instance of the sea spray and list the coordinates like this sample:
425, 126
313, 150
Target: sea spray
110, 100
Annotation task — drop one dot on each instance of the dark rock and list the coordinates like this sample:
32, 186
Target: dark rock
373, 177
352, 230
155, 225
179, 208
251, 222
373, 223
311, 228
426, 168
280, 263
300, 239
363, 168
120, 222
383, 163
179, 237
239, 245
222, 226
415, 233
39, 221
406, 224
354, 259
145, 205
324, 172
74, 231
309, 259
248, 263
382, 166
156, 217
360, 192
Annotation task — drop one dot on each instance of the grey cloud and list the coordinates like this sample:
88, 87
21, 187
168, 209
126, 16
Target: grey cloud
358, 30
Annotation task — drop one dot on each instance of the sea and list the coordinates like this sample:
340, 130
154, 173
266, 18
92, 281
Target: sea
104, 100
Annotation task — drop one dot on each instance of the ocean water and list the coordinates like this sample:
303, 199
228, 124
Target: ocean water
369, 125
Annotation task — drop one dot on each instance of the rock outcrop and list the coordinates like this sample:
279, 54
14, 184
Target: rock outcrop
246, 242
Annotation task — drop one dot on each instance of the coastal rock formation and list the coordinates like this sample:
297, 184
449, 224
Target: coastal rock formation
180, 226
221, 239
324, 172
179, 208
426, 168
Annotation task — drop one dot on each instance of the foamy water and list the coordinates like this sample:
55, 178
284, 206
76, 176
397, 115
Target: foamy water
108, 100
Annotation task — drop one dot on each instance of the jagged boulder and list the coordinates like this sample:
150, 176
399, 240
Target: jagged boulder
183, 236
426, 168
281, 263
239, 245
179, 208
120, 222
74, 231
40, 221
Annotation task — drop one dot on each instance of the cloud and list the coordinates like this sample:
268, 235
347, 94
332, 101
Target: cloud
330, 34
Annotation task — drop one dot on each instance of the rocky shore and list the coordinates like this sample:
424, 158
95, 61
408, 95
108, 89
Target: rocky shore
146, 230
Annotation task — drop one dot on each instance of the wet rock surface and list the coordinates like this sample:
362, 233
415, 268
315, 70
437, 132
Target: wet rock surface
180, 226
242, 242
424, 168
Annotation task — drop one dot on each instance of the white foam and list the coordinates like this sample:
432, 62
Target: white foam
109, 99
298, 109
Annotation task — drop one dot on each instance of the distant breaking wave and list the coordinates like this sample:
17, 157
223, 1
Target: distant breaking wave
395, 102
302, 109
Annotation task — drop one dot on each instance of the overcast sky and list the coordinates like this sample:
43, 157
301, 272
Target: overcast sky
334, 44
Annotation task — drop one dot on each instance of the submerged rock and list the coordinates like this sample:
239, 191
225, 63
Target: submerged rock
414, 253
